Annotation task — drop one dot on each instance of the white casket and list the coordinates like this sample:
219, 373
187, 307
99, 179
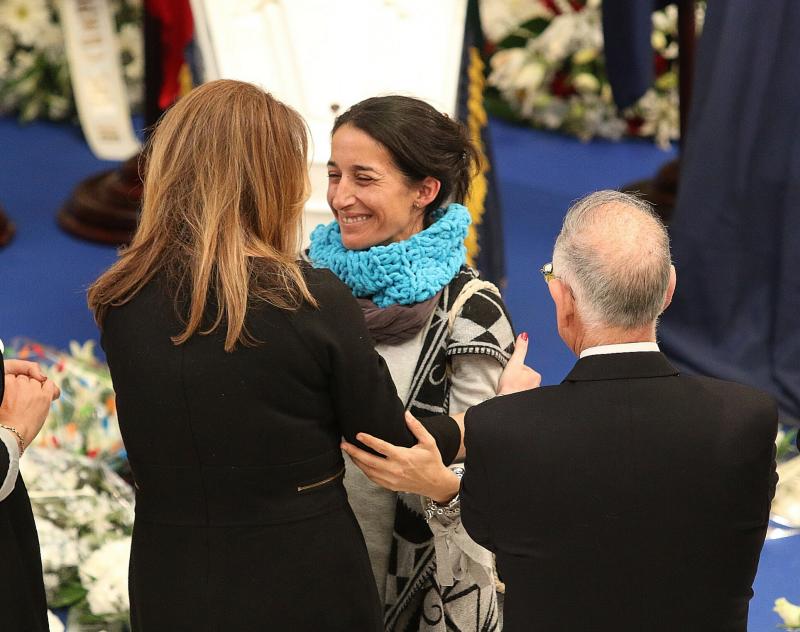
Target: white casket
321, 56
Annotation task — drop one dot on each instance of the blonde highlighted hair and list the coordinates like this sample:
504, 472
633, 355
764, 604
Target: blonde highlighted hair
225, 183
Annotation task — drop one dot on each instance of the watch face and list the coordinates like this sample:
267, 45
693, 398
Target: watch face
458, 471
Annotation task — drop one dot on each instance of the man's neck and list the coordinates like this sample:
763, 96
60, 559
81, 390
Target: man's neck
613, 336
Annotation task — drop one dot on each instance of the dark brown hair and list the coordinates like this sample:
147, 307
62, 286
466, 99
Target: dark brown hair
421, 141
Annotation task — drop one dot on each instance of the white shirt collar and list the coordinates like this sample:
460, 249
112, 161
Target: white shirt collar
625, 347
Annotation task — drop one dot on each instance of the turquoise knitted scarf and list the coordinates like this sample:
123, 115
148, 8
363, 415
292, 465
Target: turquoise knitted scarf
402, 273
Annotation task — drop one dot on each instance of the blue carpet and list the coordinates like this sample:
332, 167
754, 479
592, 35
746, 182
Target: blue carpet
45, 272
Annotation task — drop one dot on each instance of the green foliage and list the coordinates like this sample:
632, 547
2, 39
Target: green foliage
69, 592
785, 445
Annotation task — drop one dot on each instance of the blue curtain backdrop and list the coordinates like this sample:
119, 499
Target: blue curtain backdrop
627, 26
735, 231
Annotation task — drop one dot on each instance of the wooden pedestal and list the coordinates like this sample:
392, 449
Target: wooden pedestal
661, 190
105, 207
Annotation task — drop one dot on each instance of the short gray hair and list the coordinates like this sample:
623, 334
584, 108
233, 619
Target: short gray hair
613, 252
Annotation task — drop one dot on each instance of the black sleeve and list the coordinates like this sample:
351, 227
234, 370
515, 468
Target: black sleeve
5, 462
4, 456
758, 446
364, 395
773, 476
474, 493
773, 464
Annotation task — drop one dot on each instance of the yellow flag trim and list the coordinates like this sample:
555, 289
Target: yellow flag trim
476, 120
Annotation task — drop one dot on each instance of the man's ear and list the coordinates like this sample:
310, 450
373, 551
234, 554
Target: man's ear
565, 305
427, 190
673, 279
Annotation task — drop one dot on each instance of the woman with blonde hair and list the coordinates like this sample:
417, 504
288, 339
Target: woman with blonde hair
237, 371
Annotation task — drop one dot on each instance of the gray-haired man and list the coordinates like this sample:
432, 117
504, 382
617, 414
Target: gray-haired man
629, 497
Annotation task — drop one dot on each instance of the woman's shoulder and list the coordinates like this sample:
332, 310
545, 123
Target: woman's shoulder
464, 276
479, 321
468, 289
336, 306
155, 296
336, 322
325, 286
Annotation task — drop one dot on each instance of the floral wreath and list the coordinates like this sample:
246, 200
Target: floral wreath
548, 70
34, 77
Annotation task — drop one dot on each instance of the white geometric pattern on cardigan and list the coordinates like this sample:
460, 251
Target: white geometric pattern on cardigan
414, 600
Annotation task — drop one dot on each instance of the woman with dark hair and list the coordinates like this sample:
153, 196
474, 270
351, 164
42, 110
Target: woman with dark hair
399, 174
236, 380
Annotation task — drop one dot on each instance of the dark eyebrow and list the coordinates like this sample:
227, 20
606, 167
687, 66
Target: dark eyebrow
333, 164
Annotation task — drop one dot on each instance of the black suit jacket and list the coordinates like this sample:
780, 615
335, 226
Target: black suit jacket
628, 497
22, 602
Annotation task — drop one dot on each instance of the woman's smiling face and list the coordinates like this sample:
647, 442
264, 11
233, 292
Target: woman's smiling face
370, 197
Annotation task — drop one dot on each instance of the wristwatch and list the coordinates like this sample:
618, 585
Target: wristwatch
451, 510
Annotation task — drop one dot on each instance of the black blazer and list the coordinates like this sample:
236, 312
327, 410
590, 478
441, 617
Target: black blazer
628, 497
242, 520
283, 404
22, 602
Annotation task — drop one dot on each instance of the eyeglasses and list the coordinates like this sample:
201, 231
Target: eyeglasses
547, 272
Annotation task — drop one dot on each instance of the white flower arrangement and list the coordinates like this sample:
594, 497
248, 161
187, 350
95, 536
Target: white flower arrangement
547, 69
105, 574
500, 17
82, 507
84, 518
789, 612
34, 77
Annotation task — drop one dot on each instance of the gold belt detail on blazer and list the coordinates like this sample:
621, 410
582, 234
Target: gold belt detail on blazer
302, 488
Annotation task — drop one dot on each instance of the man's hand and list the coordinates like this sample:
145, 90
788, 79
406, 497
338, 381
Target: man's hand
26, 403
418, 470
517, 376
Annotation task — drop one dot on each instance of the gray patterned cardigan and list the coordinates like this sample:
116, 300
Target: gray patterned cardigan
415, 601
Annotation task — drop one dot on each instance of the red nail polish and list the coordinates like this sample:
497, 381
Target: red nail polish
524, 336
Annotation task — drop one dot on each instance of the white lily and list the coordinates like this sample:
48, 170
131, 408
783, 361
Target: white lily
789, 612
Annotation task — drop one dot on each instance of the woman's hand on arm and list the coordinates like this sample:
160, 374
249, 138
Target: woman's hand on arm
418, 469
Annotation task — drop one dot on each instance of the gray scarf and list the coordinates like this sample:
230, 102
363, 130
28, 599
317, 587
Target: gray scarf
396, 324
